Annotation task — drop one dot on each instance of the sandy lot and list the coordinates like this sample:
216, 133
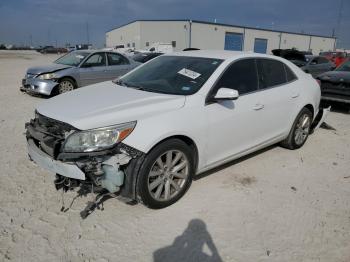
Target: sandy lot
277, 205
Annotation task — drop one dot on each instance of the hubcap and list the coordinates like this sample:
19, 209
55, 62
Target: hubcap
65, 86
168, 175
302, 129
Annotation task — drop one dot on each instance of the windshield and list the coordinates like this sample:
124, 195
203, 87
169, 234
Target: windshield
178, 75
72, 59
344, 67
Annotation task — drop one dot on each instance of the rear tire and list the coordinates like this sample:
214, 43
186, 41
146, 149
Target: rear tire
300, 130
166, 174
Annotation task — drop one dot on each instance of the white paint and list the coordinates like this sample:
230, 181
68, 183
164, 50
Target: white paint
222, 131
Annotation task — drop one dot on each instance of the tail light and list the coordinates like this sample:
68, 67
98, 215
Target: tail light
318, 81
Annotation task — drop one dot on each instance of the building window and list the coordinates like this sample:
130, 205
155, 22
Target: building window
260, 45
147, 43
133, 44
173, 43
128, 45
234, 41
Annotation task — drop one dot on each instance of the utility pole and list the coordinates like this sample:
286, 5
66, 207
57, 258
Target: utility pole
48, 36
87, 33
339, 17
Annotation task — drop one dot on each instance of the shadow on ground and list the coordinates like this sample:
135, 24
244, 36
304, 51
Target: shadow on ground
195, 244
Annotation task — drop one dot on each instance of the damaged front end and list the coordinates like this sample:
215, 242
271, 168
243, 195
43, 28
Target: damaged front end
103, 166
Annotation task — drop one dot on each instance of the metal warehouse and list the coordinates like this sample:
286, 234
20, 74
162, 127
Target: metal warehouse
141, 34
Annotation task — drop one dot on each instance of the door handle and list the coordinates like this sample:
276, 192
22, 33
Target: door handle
295, 95
258, 107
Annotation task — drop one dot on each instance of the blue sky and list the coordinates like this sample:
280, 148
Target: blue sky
64, 21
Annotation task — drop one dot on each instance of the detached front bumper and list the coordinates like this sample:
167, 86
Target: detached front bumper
45, 161
38, 86
114, 169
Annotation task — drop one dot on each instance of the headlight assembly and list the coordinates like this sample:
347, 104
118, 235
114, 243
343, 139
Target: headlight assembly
97, 139
47, 76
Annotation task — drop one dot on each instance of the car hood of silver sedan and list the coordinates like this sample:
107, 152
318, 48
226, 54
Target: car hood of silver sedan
107, 104
46, 69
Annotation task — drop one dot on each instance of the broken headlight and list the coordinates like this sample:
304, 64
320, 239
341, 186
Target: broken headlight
97, 139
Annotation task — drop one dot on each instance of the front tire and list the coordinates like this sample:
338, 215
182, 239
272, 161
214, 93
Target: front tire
300, 130
65, 85
166, 174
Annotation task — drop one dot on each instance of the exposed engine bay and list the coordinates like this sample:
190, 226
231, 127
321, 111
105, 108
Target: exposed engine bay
108, 173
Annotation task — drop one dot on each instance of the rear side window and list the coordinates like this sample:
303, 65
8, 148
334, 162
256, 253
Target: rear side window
241, 76
290, 74
116, 59
271, 73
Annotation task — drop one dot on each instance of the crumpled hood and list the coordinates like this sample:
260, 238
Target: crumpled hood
336, 76
46, 69
106, 104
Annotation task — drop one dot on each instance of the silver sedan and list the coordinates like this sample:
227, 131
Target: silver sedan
76, 69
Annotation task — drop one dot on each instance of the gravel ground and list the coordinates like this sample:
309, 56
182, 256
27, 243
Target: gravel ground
276, 205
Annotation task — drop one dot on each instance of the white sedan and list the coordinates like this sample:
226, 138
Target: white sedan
147, 134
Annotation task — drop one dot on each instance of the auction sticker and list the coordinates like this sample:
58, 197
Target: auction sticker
189, 73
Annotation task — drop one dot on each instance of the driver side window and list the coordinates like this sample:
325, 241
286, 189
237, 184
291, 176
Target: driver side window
98, 59
241, 76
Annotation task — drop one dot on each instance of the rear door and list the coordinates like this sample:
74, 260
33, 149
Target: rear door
94, 69
118, 65
279, 94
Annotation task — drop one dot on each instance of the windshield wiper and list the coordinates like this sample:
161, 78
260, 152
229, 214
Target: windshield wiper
137, 87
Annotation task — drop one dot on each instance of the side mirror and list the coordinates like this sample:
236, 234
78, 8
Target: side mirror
226, 94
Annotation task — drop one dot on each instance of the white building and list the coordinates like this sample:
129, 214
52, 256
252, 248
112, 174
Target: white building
182, 34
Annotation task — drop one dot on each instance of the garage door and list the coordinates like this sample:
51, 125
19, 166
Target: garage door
234, 41
260, 45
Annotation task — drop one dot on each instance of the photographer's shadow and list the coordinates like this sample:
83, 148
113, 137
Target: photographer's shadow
190, 246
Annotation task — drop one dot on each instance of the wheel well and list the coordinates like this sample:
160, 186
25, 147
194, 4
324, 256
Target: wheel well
187, 141
311, 108
69, 77
55, 89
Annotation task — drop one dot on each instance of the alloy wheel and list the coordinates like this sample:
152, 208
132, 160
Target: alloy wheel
65, 86
302, 129
168, 175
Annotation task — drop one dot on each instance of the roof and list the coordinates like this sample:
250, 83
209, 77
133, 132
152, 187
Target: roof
219, 24
219, 54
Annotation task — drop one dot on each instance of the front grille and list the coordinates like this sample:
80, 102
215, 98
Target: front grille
48, 133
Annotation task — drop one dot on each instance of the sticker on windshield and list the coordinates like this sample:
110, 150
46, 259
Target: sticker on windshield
186, 88
79, 56
189, 73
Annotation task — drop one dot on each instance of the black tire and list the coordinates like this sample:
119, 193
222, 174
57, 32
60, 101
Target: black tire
291, 142
69, 82
143, 191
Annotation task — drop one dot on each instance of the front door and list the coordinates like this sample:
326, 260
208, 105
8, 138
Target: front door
93, 70
118, 65
233, 125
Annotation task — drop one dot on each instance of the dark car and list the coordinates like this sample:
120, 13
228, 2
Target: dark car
313, 65
52, 50
316, 65
335, 85
145, 56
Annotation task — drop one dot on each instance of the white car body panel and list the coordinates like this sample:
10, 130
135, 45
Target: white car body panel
105, 103
221, 131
